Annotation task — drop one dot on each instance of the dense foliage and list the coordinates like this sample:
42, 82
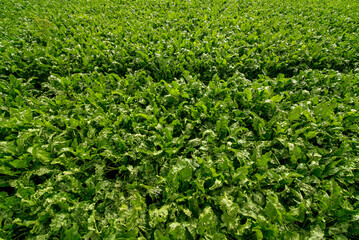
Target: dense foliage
159, 119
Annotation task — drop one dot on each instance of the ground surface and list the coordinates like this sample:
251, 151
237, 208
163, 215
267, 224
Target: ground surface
158, 119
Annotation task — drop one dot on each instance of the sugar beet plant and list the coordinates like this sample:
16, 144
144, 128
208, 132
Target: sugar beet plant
158, 119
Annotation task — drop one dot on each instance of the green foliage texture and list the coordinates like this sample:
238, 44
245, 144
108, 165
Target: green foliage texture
179, 119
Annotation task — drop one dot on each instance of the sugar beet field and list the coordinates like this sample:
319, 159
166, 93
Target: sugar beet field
159, 119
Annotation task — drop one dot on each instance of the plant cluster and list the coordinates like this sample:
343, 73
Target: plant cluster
158, 119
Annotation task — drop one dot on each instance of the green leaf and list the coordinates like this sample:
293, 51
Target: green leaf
259, 234
311, 134
316, 233
40, 154
207, 222
19, 163
295, 113
274, 209
158, 215
296, 152
159, 236
340, 228
340, 237
7, 171
288, 235
248, 94
264, 159
72, 233
324, 110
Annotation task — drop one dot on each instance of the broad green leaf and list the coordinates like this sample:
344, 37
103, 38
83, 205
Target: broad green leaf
19, 163
316, 233
324, 110
7, 171
264, 159
72, 233
248, 94
40, 154
295, 113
